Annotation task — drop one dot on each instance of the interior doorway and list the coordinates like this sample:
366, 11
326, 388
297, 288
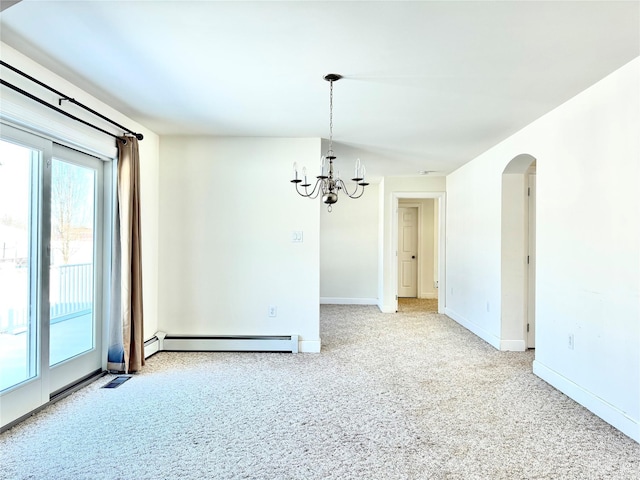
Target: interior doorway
518, 259
428, 263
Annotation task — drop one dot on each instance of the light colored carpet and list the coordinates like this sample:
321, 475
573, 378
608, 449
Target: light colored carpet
391, 396
407, 305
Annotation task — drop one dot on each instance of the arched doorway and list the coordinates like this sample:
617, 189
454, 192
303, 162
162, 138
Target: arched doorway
518, 254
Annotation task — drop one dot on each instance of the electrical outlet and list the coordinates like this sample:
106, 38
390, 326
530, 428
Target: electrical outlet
570, 343
273, 311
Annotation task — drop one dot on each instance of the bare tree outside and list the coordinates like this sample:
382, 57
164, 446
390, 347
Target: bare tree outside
71, 208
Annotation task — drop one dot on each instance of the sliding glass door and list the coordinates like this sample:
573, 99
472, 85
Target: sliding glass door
18, 263
75, 267
51, 244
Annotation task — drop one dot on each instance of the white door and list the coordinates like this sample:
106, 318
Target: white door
531, 300
407, 252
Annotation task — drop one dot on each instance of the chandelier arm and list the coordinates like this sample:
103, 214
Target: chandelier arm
314, 193
341, 185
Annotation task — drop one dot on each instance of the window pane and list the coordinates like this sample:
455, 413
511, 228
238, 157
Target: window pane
72, 258
18, 326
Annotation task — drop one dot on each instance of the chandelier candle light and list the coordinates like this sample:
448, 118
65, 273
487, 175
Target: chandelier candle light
329, 183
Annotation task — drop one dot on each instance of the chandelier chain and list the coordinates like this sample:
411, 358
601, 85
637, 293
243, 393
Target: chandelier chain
331, 115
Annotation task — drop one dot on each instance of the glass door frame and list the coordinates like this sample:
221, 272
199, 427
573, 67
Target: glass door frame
65, 373
32, 393
48, 382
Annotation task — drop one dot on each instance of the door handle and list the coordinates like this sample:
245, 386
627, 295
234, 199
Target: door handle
413, 256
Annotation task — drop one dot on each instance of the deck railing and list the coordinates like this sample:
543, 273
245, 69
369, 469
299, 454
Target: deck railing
70, 295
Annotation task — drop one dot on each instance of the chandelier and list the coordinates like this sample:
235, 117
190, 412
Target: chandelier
329, 182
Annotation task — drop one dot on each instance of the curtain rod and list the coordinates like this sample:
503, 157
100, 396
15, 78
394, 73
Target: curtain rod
62, 98
53, 107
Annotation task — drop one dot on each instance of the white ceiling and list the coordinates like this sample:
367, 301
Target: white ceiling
428, 85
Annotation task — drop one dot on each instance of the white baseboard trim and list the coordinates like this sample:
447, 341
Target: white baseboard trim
473, 328
347, 301
513, 345
606, 411
310, 346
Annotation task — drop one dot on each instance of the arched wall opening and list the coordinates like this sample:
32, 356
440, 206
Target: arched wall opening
518, 254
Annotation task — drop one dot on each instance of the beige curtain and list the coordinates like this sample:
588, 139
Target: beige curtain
131, 311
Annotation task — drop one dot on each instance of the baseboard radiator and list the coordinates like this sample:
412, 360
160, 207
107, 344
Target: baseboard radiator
230, 343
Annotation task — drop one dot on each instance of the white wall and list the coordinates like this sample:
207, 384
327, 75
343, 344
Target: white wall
588, 245
513, 271
473, 248
26, 113
228, 212
436, 250
387, 284
349, 250
429, 249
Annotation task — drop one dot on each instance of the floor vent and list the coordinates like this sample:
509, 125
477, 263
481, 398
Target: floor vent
116, 382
